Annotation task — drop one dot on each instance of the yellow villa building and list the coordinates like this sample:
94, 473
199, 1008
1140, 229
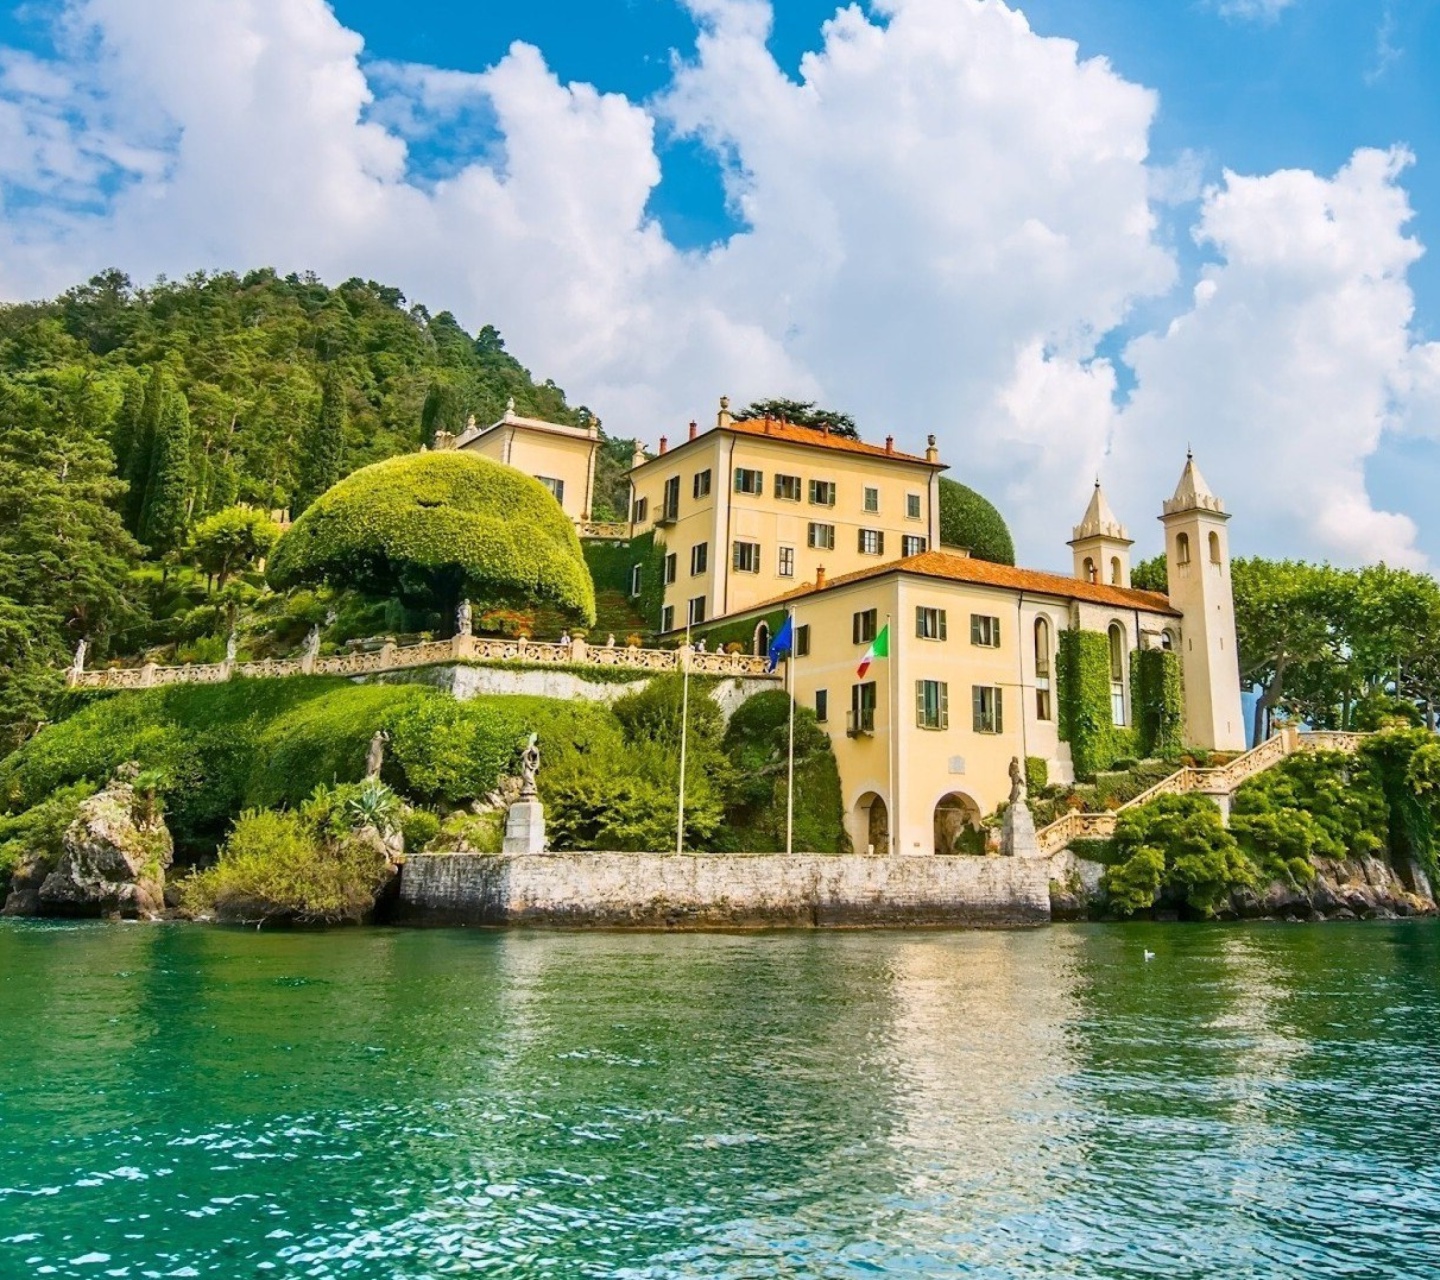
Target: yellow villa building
561, 457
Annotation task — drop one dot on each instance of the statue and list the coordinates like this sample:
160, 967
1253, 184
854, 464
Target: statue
510, 406
610, 641
1017, 780
78, 666
463, 619
312, 643
376, 755
232, 644
529, 767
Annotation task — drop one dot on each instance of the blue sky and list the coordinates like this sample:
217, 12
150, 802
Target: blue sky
941, 221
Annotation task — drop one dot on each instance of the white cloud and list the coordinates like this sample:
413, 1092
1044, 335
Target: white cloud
945, 215
1253, 10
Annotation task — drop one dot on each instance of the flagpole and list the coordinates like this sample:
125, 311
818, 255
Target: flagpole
890, 744
684, 735
790, 784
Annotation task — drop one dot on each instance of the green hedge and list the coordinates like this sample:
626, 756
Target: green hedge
971, 521
435, 527
1083, 698
1158, 694
741, 631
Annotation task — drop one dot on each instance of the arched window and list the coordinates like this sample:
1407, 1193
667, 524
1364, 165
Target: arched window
1167, 640
1182, 548
1042, 669
1115, 576
1089, 570
1214, 548
1117, 673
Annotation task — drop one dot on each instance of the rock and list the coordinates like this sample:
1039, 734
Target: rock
1343, 913
114, 859
25, 882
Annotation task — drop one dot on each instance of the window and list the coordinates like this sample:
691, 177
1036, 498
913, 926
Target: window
556, 487
911, 544
1182, 548
667, 618
748, 481
1042, 669
697, 610
822, 493
862, 626
640, 510
699, 558
634, 579
1214, 546
929, 623
745, 556
912, 506
862, 709
822, 705
787, 562
670, 511
872, 542
701, 487
1117, 574
787, 488
984, 631
670, 568
821, 537
932, 704
1167, 640
872, 499
1089, 573
1117, 673
986, 703
802, 641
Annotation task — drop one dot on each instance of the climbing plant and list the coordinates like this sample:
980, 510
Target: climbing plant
1083, 686
1159, 700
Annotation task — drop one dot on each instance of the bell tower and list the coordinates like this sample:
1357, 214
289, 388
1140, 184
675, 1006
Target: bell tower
1101, 545
1197, 560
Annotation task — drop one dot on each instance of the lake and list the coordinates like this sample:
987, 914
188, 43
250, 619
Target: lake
1256, 1100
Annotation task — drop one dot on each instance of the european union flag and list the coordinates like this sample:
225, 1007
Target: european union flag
782, 642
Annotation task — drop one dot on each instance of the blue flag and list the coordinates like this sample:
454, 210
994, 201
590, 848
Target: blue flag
784, 639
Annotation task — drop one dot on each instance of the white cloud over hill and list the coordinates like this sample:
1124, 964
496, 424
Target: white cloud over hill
946, 216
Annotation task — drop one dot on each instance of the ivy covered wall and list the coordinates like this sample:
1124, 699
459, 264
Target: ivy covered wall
1083, 697
1159, 699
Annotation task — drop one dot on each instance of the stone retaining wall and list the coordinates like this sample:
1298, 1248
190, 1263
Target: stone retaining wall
680, 891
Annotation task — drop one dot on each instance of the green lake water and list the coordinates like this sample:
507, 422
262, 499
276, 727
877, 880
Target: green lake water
1254, 1101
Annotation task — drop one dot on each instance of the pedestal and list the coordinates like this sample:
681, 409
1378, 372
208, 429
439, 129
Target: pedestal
1017, 832
525, 827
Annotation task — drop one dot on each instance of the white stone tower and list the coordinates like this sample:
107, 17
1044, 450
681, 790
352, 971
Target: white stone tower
1100, 544
1197, 559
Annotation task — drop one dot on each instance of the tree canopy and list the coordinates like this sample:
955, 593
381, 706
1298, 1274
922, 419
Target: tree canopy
803, 413
434, 528
971, 521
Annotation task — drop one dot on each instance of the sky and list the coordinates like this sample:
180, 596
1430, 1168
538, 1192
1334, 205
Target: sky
1069, 238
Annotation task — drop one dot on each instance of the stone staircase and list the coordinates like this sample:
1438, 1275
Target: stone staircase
1220, 784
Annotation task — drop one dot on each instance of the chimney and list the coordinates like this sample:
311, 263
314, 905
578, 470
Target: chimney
767, 424
889, 444
826, 425
819, 576
932, 454
694, 430
664, 445
723, 418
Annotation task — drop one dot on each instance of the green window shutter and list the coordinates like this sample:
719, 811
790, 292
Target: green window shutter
944, 705
919, 622
880, 542
974, 628
977, 711
920, 704
942, 624
995, 632
999, 710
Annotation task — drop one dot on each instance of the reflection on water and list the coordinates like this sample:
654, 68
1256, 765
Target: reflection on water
1258, 1101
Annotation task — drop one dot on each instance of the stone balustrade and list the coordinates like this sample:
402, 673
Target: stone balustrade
389, 657
606, 530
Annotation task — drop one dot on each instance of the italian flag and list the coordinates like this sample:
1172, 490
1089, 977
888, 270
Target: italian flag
879, 648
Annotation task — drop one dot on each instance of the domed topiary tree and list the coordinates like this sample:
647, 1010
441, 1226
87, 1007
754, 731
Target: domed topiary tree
970, 521
434, 528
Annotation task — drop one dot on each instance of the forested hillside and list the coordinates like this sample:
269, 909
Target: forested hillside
130, 415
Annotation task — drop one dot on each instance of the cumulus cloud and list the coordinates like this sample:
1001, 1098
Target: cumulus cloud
1252, 10
944, 217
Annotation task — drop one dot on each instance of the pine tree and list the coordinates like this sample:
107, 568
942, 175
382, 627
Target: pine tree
140, 460
322, 450
167, 499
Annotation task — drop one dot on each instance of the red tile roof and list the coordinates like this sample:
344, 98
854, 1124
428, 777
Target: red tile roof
957, 568
789, 433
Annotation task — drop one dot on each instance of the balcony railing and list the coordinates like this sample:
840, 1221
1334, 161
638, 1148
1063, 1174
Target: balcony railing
860, 723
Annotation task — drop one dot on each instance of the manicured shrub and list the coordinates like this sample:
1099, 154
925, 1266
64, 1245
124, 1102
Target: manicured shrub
433, 528
1037, 775
970, 521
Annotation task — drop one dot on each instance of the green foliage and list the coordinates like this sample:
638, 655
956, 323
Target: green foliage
166, 511
971, 521
442, 411
802, 413
232, 540
433, 528
1152, 575
611, 497
322, 450
1176, 847
1402, 760
1083, 702
1158, 695
649, 554
1321, 804
741, 631
1037, 774
419, 827
756, 743
38, 832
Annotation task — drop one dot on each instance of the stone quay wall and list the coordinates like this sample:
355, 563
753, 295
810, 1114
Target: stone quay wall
696, 891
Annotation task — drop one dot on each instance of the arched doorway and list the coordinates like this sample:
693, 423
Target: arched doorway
872, 822
762, 639
957, 825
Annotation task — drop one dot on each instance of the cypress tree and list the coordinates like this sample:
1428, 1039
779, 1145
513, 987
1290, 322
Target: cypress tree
167, 500
140, 462
125, 430
441, 412
322, 450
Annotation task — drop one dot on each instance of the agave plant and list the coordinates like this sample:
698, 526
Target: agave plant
373, 804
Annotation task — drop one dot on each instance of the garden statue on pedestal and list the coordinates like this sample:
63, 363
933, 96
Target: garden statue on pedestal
77, 667
232, 645
1017, 828
375, 757
525, 823
464, 619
